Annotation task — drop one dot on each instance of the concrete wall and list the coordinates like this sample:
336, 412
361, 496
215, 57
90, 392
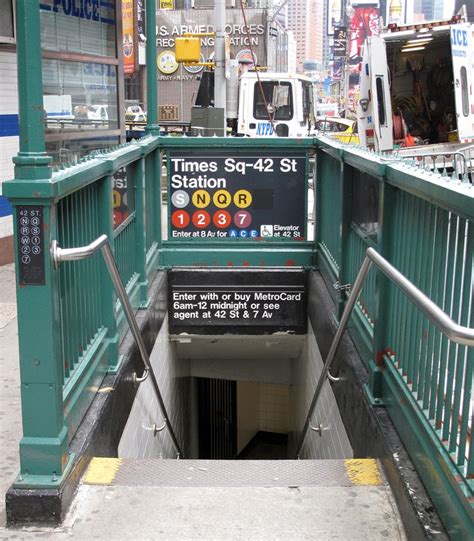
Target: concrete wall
173, 379
333, 442
248, 423
274, 408
261, 407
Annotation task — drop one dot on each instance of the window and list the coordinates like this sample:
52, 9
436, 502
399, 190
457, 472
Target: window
80, 77
380, 99
79, 96
7, 21
307, 100
63, 30
72, 150
464, 92
278, 98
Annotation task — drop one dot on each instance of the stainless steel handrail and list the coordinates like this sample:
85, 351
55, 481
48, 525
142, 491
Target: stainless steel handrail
102, 243
457, 156
455, 332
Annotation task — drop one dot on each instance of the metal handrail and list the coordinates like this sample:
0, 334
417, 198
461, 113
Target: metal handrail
452, 330
102, 243
457, 156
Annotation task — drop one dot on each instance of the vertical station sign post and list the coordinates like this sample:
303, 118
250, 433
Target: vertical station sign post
238, 197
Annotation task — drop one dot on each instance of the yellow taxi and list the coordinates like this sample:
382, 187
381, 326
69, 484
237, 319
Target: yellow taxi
342, 129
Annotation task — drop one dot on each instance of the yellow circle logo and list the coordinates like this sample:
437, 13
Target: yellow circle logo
222, 199
166, 62
242, 199
201, 199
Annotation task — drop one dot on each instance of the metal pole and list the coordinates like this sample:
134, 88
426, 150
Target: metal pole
219, 73
347, 10
31, 161
151, 68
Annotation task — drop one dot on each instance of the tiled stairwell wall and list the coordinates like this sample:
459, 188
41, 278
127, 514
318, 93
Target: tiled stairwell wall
172, 374
333, 441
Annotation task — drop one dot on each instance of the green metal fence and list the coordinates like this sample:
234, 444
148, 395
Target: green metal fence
423, 223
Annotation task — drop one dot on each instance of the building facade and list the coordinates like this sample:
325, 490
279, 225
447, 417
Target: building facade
306, 21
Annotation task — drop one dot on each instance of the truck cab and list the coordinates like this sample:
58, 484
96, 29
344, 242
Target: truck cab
275, 104
416, 86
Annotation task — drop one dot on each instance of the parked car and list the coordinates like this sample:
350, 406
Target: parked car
135, 113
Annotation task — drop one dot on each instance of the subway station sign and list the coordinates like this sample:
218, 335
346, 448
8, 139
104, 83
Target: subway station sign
222, 195
241, 301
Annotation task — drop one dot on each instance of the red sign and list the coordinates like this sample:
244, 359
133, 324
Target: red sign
364, 23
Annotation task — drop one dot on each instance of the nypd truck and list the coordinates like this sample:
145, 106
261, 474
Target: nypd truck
274, 104
264, 104
416, 93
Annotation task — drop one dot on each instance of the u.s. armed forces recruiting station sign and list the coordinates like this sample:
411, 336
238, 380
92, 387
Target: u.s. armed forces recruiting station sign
217, 195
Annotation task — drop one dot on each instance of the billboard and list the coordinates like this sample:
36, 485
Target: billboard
395, 12
340, 42
334, 15
128, 30
338, 69
364, 23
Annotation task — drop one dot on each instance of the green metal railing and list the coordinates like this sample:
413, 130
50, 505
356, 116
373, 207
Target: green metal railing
424, 225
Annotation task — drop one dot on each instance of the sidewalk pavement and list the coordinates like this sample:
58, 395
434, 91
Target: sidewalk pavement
10, 414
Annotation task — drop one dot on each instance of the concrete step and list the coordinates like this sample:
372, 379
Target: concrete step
264, 500
233, 473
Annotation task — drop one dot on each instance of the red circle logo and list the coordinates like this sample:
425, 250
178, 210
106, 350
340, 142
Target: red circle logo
201, 219
222, 219
180, 219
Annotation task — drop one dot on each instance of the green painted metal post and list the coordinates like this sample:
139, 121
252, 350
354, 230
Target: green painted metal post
140, 229
30, 85
151, 69
345, 180
44, 446
108, 297
157, 207
385, 240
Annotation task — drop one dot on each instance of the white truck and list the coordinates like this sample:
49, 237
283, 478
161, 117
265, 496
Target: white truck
274, 104
416, 93
264, 104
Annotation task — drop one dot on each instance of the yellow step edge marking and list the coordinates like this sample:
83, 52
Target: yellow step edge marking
363, 471
102, 471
